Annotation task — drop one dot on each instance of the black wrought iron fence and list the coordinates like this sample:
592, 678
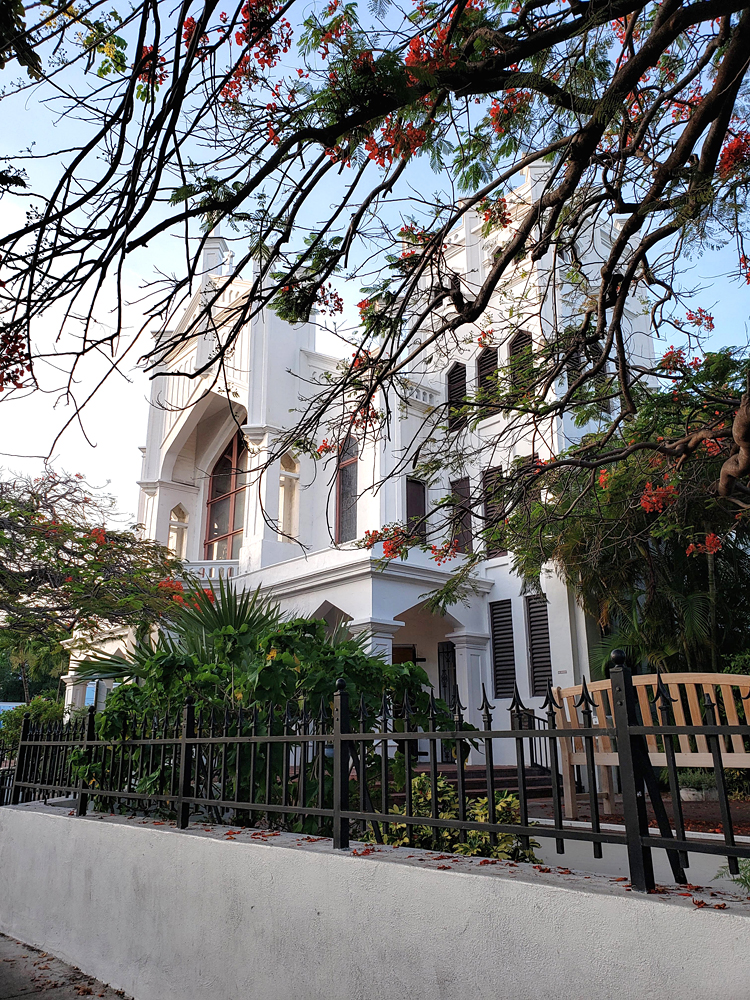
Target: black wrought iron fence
348, 771
7, 770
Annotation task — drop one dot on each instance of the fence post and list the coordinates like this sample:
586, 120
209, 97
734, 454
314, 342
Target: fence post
341, 725
83, 799
186, 763
631, 779
20, 760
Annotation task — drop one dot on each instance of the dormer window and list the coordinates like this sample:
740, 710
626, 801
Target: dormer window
226, 502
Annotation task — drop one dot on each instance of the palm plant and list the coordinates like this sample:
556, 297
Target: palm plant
207, 629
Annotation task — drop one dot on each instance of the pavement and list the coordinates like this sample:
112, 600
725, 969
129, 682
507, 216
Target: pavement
26, 972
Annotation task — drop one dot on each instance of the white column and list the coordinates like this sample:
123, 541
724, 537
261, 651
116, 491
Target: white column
75, 691
471, 671
379, 632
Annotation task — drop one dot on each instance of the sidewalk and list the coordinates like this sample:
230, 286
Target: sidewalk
26, 972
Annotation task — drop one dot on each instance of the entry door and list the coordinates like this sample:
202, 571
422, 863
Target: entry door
448, 685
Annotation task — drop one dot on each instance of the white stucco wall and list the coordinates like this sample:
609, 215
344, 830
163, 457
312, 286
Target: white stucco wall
166, 915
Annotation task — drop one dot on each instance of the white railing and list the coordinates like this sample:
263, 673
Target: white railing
213, 569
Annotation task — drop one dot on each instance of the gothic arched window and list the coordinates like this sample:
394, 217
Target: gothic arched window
288, 478
346, 489
226, 502
178, 528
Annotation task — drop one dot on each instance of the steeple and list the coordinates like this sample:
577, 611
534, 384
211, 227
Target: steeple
215, 254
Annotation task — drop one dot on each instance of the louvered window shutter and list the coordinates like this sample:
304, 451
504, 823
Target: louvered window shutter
486, 376
456, 397
601, 378
493, 510
416, 506
520, 356
461, 490
503, 650
539, 651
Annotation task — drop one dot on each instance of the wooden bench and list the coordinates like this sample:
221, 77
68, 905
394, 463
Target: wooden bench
727, 691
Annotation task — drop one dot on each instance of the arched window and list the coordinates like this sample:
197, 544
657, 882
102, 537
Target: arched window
346, 492
226, 502
178, 527
288, 478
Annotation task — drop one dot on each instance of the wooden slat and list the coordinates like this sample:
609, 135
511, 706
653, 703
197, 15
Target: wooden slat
643, 700
693, 686
679, 715
574, 721
696, 715
603, 743
710, 690
727, 691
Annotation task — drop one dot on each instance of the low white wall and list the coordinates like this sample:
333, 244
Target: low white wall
166, 915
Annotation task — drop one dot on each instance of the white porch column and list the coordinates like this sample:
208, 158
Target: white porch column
75, 691
471, 670
380, 632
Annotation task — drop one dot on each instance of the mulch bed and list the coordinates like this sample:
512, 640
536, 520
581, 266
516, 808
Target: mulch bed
700, 817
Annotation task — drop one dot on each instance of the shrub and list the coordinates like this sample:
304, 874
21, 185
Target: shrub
40, 709
477, 843
697, 778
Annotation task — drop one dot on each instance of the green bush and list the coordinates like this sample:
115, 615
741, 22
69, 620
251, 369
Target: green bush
477, 843
697, 778
40, 709
738, 664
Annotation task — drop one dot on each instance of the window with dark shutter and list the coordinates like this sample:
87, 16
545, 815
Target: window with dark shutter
601, 379
540, 659
503, 650
461, 490
416, 507
487, 378
346, 507
456, 397
493, 511
520, 358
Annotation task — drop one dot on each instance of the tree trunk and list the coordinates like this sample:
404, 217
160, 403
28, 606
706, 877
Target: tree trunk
25, 682
712, 611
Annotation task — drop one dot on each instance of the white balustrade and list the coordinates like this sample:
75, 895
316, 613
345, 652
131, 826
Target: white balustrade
213, 569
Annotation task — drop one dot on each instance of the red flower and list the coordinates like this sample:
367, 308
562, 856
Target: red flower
655, 498
734, 155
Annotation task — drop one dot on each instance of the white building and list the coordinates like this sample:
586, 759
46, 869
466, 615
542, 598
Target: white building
193, 498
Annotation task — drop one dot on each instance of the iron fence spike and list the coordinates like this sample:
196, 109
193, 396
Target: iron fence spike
550, 703
516, 704
585, 701
661, 692
485, 707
